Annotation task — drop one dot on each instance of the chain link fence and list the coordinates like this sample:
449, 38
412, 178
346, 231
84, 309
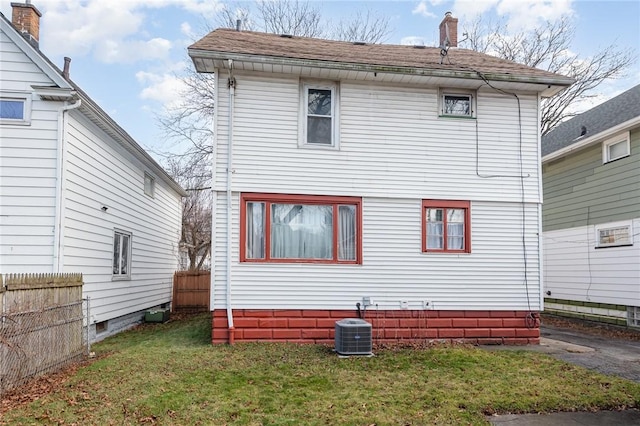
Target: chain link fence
38, 338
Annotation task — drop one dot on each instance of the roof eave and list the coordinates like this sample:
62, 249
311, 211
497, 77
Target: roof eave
118, 133
592, 140
554, 84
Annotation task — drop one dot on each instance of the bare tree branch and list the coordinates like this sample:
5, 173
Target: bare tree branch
548, 48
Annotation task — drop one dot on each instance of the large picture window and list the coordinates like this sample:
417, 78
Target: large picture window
121, 255
294, 228
446, 226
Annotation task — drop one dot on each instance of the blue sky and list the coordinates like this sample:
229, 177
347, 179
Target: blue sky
126, 53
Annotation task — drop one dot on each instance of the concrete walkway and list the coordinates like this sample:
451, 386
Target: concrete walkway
615, 357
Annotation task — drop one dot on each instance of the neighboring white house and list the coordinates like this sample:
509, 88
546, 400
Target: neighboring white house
398, 183
591, 213
77, 193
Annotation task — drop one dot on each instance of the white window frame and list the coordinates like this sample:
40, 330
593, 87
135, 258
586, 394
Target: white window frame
118, 235
613, 226
622, 138
151, 189
304, 107
471, 94
25, 98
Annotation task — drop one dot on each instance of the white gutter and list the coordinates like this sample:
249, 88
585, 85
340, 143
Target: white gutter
555, 80
58, 233
598, 137
231, 86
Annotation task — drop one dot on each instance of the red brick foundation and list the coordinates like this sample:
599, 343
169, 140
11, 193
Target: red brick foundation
317, 326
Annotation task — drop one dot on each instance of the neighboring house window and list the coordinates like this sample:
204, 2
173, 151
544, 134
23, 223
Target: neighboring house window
149, 185
457, 104
616, 148
319, 103
296, 228
121, 255
614, 235
446, 226
15, 109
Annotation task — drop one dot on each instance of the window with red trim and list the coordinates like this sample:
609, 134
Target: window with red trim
446, 226
299, 228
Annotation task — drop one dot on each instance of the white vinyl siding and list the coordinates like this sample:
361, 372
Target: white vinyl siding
99, 173
575, 270
394, 267
391, 144
27, 169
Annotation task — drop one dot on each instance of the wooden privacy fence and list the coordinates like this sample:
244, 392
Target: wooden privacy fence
191, 291
41, 325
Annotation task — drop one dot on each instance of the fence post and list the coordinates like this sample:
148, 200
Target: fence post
88, 320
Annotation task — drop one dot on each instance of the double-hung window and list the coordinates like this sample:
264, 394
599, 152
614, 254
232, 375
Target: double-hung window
319, 106
446, 226
121, 255
616, 148
295, 228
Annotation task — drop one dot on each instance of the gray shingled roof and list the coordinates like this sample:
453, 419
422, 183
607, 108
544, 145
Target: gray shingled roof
616, 110
388, 55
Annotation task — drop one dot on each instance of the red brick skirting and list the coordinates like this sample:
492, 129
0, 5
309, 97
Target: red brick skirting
317, 326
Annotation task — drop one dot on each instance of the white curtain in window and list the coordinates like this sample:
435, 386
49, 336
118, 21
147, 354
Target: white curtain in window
435, 229
301, 231
346, 232
455, 229
255, 230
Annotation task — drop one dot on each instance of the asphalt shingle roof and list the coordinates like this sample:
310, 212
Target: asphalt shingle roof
616, 110
386, 55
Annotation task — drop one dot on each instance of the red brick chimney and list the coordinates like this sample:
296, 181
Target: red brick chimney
449, 24
26, 18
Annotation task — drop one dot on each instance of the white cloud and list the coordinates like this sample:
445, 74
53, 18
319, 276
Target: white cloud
164, 88
412, 41
520, 15
111, 30
423, 9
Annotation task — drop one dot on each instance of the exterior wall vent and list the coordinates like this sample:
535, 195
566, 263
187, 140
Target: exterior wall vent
353, 337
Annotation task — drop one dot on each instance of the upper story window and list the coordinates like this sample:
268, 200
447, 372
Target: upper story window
446, 226
613, 235
149, 185
121, 255
319, 103
616, 148
457, 103
15, 109
300, 229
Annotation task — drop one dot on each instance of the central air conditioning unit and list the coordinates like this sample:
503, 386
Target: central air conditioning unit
353, 337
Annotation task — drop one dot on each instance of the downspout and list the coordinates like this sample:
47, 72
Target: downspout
232, 87
541, 282
61, 150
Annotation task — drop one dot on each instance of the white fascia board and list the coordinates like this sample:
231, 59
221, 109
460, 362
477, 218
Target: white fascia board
592, 140
554, 84
35, 55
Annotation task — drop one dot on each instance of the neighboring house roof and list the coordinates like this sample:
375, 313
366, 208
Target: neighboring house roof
461, 63
66, 89
611, 115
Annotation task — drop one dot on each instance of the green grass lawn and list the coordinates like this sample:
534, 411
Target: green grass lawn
171, 374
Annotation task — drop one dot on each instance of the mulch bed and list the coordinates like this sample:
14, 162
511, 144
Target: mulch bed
590, 327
